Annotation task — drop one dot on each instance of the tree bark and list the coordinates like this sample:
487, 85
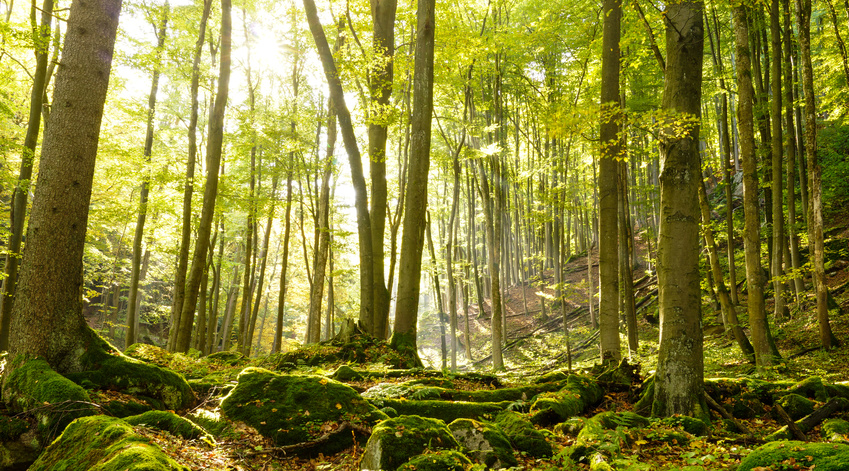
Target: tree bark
284, 269
679, 387
47, 317
780, 305
789, 99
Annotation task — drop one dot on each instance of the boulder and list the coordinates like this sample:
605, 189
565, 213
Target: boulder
19, 444
579, 394
443, 460
485, 443
796, 406
291, 409
523, 435
394, 441
171, 423
819, 456
604, 428
105, 444
447, 411
836, 430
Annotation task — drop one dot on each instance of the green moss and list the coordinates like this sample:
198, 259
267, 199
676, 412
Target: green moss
149, 353
571, 427
836, 430
139, 379
101, 443
796, 406
485, 443
11, 428
523, 435
604, 431
171, 423
810, 387
823, 456
124, 409
644, 404
346, 373
291, 409
212, 422
443, 410
405, 345
579, 393
690, 425
394, 441
55, 401
227, 358
444, 460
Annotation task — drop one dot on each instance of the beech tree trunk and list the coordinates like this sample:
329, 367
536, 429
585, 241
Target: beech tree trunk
47, 317
679, 387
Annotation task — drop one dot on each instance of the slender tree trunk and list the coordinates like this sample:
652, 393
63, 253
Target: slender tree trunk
777, 164
323, 249
284, 269
789, 99
213, 161
132, 305
415, 199
608, 199
213, 336
841, 46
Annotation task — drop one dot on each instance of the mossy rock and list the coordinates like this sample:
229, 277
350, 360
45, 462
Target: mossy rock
571, 427
796, 406
389, 411
552, 377
345, 373
230, 358
101, 443
691, 425
134, 377
444, 383
149, 353
124, 409
394, 441
837, 390
291, 409
579, 393
746, 405
644, 404
171, 423
485, 443
443, 460
812, 388
604, 430
823, 456
387, 391
836, 430
11, 428
212, 422
523, 435
447, 411
54, 399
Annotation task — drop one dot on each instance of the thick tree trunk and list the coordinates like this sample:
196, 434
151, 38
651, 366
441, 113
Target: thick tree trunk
415, 199
47, 317
607, 188
135, 268
213, 162
679, 379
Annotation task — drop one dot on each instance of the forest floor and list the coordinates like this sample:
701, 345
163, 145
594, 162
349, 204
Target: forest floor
536, 345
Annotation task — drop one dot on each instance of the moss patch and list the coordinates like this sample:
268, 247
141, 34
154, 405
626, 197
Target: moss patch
485, 443
579, 394
836, 430
796, 406
523, 435
824, 456
54, 400
171, 423
605, 431
394, 441
447, 411
444, 460
101, 443
291, 409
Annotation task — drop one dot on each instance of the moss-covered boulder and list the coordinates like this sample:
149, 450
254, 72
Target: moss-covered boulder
571, 427
604, 430
447, 411
291, 409
443, 460
579, 394
171, 423
812, 388
484, 443
123, 409
101, 443
160, 387
836, 430
230, 358
394, 441
691, 425
819, 456
345, 373
796, 406
19, 443
53, 399
523, 435
212, 422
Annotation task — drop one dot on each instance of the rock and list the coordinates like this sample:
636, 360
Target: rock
394, 441
579, 394
571, 427
796, 406
345, 373
523, 435
603, 428
690, 425
445, 460
54, 399
485, 443
822, 456
290, 409
171, 423
810, 387
106, 444
836, 430
210, 421
447, 411
228, 358
19, 444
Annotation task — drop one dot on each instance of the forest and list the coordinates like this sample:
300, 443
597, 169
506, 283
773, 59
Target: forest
466, 235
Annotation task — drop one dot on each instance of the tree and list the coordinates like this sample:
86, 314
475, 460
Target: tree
47, 317
415, 199
679, 387
608, 176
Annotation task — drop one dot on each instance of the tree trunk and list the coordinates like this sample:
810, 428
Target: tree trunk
213, 164
47, 317
780, 305
607, 188
679, 379
132, 305
284, 269
415, 199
